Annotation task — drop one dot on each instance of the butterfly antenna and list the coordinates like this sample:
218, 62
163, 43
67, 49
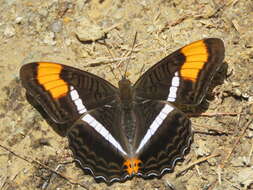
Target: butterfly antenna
135, 37
111, 69
142, 70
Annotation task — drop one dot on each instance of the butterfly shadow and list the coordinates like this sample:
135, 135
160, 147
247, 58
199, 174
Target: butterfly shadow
218, 79
60, 129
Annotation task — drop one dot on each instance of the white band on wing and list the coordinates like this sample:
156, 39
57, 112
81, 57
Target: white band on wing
173, 89
102, 131
155, 125
78, 101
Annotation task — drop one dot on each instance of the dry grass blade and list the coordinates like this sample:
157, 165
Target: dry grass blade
195, 163
225, 161
35, 162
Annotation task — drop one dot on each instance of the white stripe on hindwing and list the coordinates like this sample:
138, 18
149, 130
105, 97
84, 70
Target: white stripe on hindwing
173, 89
155, 125
92, 121
102, 131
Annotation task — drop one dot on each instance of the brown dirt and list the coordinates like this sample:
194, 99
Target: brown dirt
26, 29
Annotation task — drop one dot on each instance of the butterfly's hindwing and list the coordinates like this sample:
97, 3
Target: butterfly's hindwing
163, 137
98, 144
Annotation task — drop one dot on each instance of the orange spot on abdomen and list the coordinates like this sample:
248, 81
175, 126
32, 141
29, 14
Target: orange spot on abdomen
132, 165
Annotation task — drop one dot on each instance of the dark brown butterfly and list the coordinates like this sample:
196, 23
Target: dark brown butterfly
117, 133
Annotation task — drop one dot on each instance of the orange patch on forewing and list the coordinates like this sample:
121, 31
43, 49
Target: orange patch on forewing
132, 165
53, 85
59, 91
196, 47
196, 55
48, 76
192, 65
190, 74
196, 58
48, 71
48, 64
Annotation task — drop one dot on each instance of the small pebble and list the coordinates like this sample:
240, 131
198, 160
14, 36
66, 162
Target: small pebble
18, 20
56, 26
202, 149
43, 12
235, 84
49, 38
9, 31
249, 134
87, 31
238, 92
245, 95
68, 42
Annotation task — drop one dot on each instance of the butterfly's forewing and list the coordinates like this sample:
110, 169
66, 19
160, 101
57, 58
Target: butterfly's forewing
163, 137
65, 92
183, 76
99, 145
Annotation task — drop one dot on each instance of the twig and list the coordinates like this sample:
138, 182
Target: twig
211, 130
35, 162
50, 180
197, 169
233, 185
250, 152
215, 114
112, 27
105, 60
222, 165
212, 133
170, 185
3, 181
196, 162
219, 174
168, 25
235, 144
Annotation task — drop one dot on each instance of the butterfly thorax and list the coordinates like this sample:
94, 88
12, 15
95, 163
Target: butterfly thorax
126, 93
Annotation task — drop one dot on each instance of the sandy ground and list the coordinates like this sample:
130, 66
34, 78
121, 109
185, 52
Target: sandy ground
46, 31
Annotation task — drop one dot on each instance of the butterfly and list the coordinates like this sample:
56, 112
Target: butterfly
134, 130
